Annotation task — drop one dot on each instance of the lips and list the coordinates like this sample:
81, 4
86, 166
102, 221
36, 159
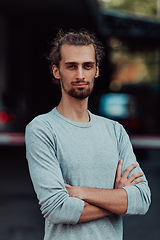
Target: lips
80, 84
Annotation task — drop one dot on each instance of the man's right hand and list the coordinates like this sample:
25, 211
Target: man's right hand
124, 180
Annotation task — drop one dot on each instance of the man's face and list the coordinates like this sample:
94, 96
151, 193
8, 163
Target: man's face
77, 70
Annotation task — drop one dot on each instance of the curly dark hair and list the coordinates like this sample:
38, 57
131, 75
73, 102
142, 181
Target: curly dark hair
76, 38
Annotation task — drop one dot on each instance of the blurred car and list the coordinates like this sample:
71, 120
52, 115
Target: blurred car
8, 118
122, 108
11, 125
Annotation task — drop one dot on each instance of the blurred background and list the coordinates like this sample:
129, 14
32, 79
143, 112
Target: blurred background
128, 90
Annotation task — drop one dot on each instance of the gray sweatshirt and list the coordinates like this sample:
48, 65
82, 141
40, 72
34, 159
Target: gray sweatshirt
61, 151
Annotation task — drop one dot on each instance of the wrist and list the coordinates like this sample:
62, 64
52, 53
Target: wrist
80, 192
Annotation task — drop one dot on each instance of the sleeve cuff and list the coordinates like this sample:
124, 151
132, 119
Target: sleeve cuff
73, 213
132, 200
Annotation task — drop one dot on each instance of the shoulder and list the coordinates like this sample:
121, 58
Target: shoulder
113, 127
45, 119
39, 120
41, 123
98, 118
105, 121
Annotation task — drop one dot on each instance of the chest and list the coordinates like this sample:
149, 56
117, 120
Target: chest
88, 157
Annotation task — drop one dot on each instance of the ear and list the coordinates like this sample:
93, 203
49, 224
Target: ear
56, 73
97, 71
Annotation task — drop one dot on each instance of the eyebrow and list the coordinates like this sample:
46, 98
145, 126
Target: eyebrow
76, 63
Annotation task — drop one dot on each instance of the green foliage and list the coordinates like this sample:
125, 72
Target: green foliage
145, 57
147, 7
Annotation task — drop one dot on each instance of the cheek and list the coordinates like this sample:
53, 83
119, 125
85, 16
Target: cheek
66, 79
92, 74
91, 77
67, 76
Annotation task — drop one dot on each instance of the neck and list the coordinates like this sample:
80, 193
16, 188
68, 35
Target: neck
74, 109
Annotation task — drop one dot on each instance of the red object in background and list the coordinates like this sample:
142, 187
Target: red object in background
3, 117
132, 123
9, 118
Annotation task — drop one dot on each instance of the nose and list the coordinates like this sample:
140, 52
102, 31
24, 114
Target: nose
80, 73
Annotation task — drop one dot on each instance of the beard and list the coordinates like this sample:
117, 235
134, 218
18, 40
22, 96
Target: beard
79, 93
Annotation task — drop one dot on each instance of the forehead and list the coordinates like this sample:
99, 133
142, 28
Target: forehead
71, 53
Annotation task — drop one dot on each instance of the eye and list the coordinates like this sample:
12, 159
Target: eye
71, 66
88, 66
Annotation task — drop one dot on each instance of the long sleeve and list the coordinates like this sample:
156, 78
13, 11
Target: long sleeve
46, 175
139, 195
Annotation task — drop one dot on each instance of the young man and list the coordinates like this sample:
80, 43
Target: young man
75, 157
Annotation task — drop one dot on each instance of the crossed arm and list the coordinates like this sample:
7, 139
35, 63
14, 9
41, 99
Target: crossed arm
99, 203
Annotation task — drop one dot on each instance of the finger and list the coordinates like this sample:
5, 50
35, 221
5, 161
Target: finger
119, 170
129, 169
67, 185
134, 176
137, 180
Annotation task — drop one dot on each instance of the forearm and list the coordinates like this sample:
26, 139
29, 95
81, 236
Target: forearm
112, 200
91, 212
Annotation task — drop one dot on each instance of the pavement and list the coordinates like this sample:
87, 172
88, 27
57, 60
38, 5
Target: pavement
147, 227
19, 210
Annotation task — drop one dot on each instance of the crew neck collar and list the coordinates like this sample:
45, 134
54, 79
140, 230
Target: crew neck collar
81, 125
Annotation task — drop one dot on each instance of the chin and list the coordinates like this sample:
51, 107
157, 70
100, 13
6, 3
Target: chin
82, 94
